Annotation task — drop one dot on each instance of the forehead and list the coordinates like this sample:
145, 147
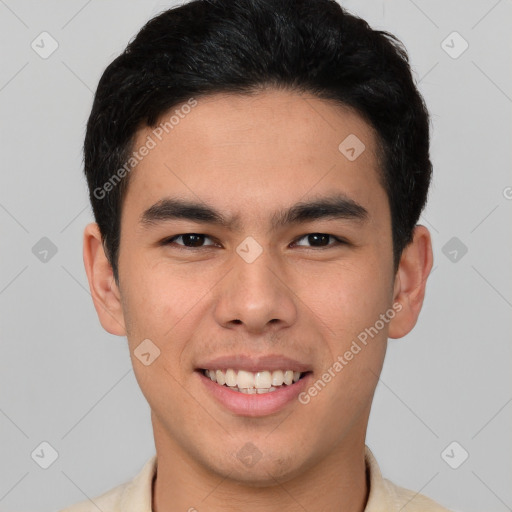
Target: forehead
275, 146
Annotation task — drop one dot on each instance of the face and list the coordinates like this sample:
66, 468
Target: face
253, 245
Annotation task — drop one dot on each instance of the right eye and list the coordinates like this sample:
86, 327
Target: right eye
189, 241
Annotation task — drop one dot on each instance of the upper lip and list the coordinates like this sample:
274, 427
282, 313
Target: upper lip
248, 363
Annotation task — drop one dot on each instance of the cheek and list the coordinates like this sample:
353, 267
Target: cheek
165, 305
348, 296
161, 309
355, 298
156, 298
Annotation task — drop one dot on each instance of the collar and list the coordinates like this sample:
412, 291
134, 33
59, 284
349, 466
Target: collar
137, 495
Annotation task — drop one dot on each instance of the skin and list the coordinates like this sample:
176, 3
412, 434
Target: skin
249, 156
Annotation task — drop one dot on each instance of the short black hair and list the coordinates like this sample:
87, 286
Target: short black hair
205, 47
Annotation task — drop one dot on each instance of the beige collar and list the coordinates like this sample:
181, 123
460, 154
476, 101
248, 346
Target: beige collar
137, 494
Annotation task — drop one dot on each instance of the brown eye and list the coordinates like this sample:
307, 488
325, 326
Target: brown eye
190, 240
319, 240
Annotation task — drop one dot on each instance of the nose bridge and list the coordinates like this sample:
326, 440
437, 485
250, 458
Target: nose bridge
253, 293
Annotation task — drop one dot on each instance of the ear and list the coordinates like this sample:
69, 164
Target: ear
104, 291
410, 282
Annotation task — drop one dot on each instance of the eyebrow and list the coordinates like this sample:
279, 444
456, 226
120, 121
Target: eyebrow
332, 207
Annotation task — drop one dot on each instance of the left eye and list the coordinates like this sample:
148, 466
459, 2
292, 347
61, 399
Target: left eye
319, 240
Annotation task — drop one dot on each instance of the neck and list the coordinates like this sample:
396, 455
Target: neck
336, 483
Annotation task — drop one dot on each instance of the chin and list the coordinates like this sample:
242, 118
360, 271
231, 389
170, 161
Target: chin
252, 468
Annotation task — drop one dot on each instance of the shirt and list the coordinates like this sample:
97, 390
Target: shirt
136, 495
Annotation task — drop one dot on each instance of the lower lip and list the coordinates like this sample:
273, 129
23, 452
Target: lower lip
254, 405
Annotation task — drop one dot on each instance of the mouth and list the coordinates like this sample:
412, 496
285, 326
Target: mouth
253, 383
257, 393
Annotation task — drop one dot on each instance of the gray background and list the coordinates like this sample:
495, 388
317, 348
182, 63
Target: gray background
65, 381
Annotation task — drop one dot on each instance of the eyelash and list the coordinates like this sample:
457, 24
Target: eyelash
169, 241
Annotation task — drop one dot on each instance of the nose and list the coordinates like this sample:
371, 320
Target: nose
255, 297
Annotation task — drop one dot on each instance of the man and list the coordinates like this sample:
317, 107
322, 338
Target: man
256, 170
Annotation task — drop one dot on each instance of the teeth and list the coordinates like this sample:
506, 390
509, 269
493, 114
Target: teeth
277, 378
244, 379
221, 377
231, 378
263, 380
253, 383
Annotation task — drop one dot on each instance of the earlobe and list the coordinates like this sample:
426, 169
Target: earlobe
104, 291
410, 282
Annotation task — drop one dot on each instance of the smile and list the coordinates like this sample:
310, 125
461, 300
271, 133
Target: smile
260, 382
